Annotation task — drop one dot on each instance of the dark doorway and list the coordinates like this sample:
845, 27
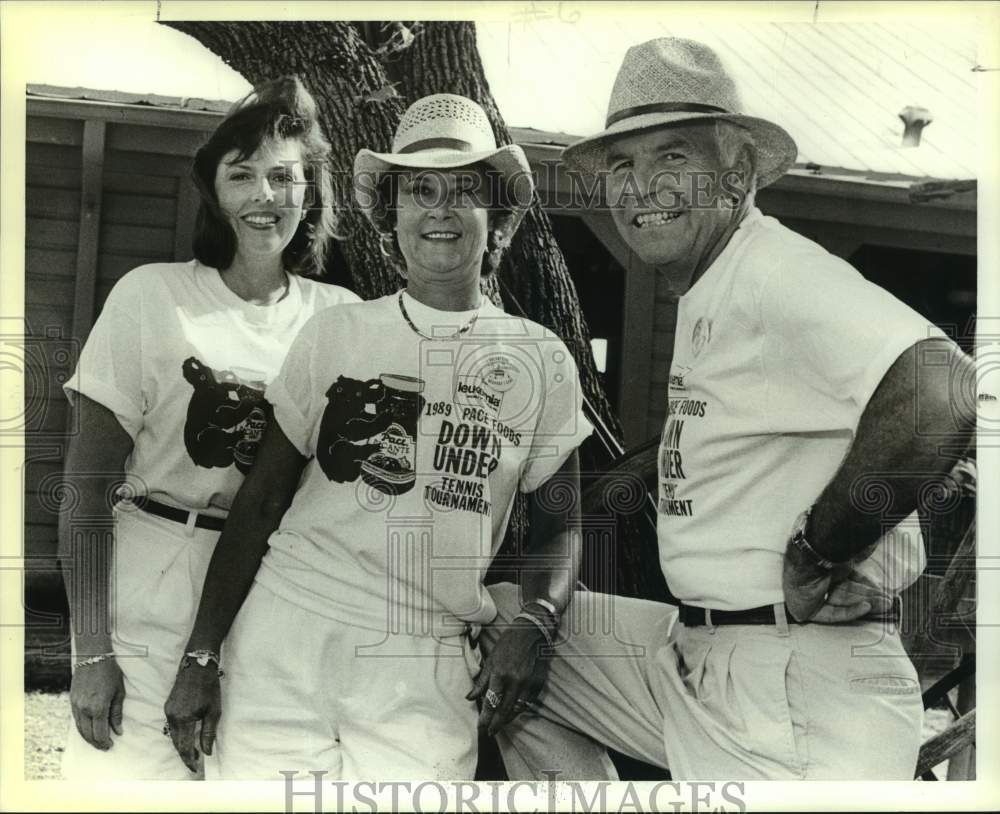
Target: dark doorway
600, 285
941, 287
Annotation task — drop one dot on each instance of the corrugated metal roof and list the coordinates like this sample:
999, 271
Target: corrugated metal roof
836, 87
122, 98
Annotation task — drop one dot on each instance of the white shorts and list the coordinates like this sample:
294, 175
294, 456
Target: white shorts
306, 693
157, 575
765, 702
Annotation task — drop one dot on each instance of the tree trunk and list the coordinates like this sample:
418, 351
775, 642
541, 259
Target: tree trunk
358, 110
363, 75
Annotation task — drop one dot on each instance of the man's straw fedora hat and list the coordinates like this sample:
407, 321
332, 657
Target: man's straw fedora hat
440, 132
669, 81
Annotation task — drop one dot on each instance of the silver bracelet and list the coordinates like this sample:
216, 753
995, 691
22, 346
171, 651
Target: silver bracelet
545, 604
202, 658
87, 662
549, 640
547, 612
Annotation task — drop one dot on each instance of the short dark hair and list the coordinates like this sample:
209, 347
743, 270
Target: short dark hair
496, 199
279, 109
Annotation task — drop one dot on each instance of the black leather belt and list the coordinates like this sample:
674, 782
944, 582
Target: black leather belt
692, 616
202, 521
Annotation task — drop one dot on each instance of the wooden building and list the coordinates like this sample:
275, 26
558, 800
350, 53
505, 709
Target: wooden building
108, 190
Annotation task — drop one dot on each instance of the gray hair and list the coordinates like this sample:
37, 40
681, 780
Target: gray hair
732, 139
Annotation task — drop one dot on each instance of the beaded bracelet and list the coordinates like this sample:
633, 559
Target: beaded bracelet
545, 611
549, 607
87, 662
202, 658
539, 624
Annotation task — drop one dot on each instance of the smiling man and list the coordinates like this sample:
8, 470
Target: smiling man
795, 388
665, 187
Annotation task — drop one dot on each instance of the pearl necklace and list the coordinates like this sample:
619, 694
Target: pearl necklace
464, 329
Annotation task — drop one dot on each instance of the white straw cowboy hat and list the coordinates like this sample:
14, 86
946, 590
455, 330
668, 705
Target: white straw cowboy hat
670, 81
439, 132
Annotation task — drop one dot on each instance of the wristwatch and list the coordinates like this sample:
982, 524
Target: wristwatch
800, 541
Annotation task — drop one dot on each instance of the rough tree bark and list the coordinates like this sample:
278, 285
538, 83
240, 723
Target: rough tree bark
363, 76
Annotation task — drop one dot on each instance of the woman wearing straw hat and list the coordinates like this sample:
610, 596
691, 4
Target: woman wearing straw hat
169, 393
384, 490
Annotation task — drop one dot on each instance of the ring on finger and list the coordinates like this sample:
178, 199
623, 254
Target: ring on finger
493, 698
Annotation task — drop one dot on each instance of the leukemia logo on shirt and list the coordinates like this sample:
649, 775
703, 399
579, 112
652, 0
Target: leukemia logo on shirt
226, 417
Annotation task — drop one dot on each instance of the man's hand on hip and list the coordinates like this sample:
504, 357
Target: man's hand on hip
806, 584
829, 597
853, 598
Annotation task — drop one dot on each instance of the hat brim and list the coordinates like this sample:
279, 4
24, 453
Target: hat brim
776, 149
508, 160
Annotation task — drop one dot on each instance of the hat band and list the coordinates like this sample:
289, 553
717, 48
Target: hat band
662, 107
437, 144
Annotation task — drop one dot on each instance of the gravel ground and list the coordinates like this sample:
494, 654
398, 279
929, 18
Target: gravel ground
47, 716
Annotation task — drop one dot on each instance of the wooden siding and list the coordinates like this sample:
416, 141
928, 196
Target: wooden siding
107, 189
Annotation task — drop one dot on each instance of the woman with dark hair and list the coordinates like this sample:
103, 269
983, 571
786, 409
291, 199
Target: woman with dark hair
169, 398
385, 485
279, 114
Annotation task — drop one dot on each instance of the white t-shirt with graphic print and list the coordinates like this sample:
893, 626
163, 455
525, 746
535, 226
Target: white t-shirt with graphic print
416, 447
182, 362
778, 348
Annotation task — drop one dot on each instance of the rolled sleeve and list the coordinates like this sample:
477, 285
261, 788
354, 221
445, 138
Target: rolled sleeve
831, 337
109, 371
